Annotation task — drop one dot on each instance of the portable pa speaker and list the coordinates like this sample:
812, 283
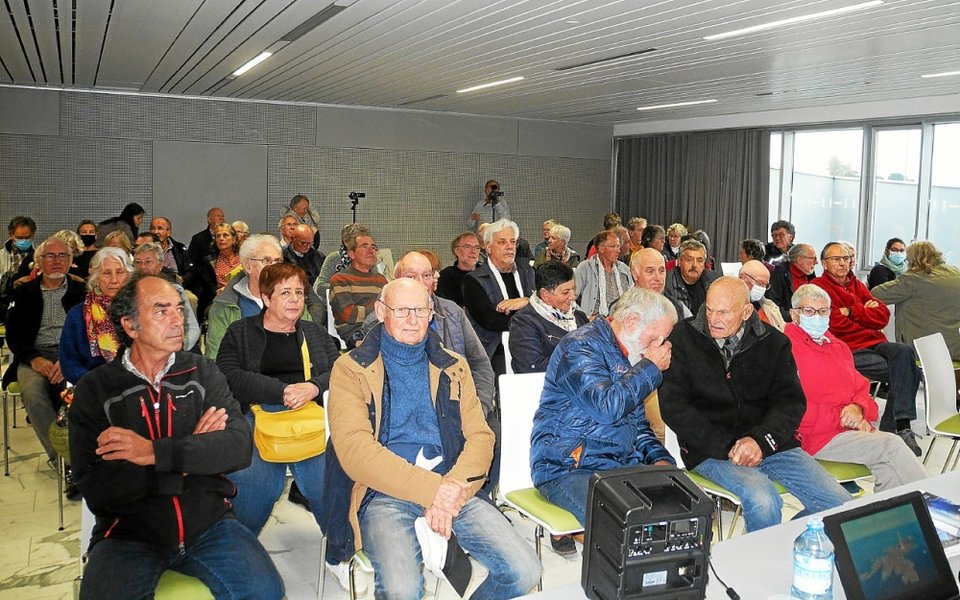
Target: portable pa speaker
648, 535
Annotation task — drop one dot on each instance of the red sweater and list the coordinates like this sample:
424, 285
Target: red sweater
829, 382
861, 328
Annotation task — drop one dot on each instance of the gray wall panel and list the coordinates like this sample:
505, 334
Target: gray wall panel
60, 181
190, 177
35, 112
543, 138
414, 130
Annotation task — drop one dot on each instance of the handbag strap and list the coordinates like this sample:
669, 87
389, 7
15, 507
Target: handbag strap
305, 354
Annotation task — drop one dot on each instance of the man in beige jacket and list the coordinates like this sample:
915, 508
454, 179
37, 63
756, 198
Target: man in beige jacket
408, 430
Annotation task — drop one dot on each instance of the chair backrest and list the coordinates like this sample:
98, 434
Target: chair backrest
519, 400
672, 444
385, 263
938, 380
87, 521
507, 356
890, 329
731, 268
331, 328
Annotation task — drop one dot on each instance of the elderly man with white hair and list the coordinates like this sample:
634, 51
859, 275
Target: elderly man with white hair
558, 248
837, 424
497, 289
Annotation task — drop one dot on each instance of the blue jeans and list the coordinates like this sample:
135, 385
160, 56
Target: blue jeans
895, 365
391, 544
260, 485
793, 469
226, 557
569, 492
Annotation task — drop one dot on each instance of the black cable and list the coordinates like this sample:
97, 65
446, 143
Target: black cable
731, 593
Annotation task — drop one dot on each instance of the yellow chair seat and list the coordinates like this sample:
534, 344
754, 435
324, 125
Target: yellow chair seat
174, 585
555, 519
844, 471
949, 426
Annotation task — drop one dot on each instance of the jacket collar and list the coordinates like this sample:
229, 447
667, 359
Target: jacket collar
369, 350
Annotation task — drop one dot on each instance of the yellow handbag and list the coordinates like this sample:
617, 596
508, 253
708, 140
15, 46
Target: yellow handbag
290, 435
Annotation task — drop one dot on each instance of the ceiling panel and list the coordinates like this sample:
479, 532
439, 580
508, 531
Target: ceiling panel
417, 53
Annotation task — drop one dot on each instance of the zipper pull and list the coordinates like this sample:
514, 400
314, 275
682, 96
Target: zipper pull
183, 549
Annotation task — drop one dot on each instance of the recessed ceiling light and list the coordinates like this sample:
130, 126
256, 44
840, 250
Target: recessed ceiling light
484, 86
790, 21
944, 74
676, 104
256, 61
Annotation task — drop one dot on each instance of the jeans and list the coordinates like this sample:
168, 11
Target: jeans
793, 469
41, 400
895, 365
569, 492
391, 544
226, 557
260, 485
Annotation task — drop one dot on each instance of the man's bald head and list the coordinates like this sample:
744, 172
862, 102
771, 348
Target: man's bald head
753, 272
649, 270
727, 307
415, 266
405, 296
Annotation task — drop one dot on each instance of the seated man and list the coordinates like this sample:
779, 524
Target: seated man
757, 277
794, 270
148, 259
154, 480
34, 324
427, 459
840, 409
733, 397
354, 290
687, 284
300, 252
602, 278
857, 318
591, 415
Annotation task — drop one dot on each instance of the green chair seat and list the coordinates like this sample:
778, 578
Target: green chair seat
950, 426
844, 471
531, 502
177, 586
14, 388
715, 489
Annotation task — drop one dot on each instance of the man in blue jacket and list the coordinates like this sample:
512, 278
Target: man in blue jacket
591, 415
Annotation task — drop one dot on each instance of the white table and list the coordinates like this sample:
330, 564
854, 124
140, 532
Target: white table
759, 565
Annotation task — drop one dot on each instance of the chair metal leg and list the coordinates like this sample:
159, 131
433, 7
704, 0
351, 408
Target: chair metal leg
733, 522
955, 458
718, 503
321, 578
537, 536
60, 489
953, 447
353, 573
926, 457
6, 438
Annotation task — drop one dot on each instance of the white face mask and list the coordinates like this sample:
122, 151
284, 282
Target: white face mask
756, 293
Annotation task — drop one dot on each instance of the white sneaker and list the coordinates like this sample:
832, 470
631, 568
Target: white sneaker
342, 572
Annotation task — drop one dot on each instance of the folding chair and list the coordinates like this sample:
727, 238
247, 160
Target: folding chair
940, 394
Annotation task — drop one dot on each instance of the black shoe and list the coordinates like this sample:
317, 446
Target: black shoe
853, 488
297, 497
71, 491
563, 545
910, 439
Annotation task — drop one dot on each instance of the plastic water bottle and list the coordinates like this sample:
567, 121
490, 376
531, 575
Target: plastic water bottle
813, 563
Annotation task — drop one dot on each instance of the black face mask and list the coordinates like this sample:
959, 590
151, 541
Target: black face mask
88, 240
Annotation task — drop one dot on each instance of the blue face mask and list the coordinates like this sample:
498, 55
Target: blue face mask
23, 245
815, 326
898, 258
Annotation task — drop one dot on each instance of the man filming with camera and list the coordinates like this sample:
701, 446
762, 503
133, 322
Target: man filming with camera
491, 208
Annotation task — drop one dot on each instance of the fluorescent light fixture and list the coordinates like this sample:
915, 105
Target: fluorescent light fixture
676, 104
484, 86
790, 21
944, 74
259, 59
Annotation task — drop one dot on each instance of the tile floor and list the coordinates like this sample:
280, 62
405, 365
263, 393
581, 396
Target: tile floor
39, 562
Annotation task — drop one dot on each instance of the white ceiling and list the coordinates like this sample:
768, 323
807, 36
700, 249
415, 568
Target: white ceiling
416, 53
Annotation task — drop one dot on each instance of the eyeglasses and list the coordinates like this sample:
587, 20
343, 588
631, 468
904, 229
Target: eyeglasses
765, 286
838, 258
804, 256
402, 312
57, 256
139, 262
617, 246
367, 247
469, 246
267, 261
809, 311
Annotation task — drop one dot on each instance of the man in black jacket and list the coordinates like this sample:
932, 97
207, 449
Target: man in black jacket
201, 244
34, 323
151, 435
733, 397
174, 253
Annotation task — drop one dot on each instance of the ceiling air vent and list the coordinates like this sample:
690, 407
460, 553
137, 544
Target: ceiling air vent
313, 22
608, 59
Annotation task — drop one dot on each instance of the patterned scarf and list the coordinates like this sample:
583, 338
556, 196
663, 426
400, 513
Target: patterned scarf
345, 261
101, 335
564, 320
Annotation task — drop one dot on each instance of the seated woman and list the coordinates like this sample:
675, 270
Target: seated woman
891, 264
537, 328
262, 357
88, 339
837, 423
558, 248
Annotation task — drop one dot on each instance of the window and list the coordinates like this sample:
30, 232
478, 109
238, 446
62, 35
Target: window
825, 195
944, 218
896, 169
